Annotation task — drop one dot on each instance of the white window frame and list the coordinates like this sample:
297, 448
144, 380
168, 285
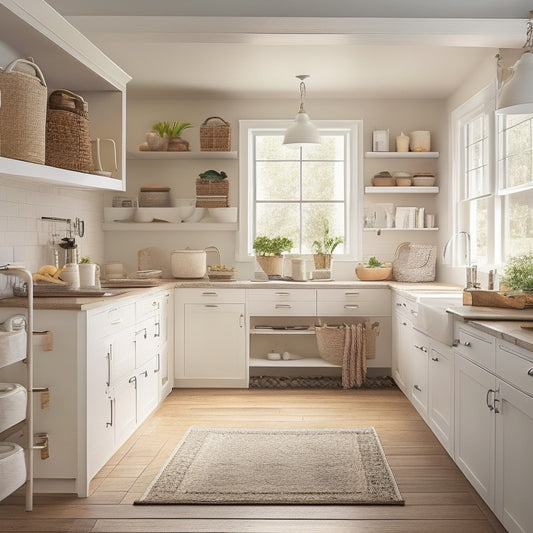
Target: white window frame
484, 102
354, 182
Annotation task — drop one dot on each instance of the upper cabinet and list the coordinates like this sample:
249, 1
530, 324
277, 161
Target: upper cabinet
31, 28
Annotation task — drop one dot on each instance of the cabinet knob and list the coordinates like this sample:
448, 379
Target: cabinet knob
417, 387
530, 372
468, 344
436, 359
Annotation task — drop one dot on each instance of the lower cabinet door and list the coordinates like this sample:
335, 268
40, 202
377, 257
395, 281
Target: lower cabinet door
419, 373
147, 389
125, 412
514, 466
475, 426
215, 342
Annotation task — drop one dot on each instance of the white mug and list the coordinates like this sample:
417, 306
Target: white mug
87, 275
71, 274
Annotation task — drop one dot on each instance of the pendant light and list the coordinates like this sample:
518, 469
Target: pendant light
516, 93
303, 131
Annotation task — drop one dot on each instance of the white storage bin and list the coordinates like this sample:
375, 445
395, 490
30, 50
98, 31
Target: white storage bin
12, 347
13, 399
12, 468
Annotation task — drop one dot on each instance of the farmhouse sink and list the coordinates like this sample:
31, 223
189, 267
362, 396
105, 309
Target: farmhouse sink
432, 318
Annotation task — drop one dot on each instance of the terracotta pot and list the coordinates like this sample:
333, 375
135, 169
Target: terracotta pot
272, 265
322, 261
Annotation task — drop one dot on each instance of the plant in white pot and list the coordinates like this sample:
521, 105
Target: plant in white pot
88, 271
268, 252
157, 139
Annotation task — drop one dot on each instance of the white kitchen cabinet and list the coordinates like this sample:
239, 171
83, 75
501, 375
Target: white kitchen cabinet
403, 311
147, 384
124, 398
514, 435
475, 425
69, 60
210, 338
165, 328
418, 373
441, 393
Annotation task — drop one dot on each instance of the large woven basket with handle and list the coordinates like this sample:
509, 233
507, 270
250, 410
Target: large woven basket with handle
215, 135
23, 111
68, 142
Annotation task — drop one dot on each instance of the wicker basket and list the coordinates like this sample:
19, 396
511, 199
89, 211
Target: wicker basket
212, 193
330, 341
215, 137
23, 112
68, 142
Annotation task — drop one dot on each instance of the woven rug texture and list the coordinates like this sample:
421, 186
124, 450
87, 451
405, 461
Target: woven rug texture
285, 466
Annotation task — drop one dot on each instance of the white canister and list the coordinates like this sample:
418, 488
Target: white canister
402, 142
87, 275
298, 269
71, 274
420, 141
188, 263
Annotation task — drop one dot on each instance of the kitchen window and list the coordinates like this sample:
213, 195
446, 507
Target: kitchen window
494, 192
293, 191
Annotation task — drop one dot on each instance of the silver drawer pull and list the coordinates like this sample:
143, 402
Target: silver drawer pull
351, 294
468, 344
209, 293
210, 305
282, 293
422, 348
351, 306
417, 388
530, 372
436, 359
283, 306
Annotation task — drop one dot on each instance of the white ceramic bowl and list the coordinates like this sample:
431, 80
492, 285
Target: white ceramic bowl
112, 214
223, 214
197, 215
423, 181
185, 211
149, 214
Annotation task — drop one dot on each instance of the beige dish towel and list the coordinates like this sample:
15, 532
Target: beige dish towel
359, 344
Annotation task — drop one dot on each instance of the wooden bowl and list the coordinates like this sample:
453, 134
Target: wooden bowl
383, 182
373, 274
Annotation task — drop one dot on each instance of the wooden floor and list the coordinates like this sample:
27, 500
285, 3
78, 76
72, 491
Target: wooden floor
438, 497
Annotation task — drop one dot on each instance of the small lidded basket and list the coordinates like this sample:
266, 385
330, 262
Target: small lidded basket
215, 135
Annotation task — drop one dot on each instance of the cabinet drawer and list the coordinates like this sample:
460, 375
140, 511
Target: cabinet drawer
146, 306
353, 302
112, 319
280, 295
476, 345
281, 308
211, 296
404, 305
515, 365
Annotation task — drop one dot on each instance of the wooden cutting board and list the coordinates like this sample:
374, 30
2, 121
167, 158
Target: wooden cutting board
497, 299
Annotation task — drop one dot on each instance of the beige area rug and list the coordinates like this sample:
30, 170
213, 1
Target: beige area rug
256, 466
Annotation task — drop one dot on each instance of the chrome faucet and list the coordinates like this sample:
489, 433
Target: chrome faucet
471, 270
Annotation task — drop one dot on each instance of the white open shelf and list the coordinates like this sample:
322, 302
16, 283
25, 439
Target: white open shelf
145, 154
400, 229
167, 226
401, 190
402, 155
306, 362
261, 331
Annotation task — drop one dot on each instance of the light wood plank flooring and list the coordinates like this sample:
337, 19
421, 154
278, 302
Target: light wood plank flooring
438, 497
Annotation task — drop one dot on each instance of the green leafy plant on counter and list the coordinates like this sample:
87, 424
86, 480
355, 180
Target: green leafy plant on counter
327, 244
518, 273
272, 245
373, 263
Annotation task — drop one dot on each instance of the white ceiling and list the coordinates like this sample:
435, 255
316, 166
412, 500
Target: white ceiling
253, 49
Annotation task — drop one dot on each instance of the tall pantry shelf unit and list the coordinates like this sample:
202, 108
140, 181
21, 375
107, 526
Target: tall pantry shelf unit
16, 401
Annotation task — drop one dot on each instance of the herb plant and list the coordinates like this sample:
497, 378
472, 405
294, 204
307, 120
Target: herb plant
272, 246
518, 273
374, 263
327, 244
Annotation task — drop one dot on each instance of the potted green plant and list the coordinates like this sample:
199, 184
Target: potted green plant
87, 271
518, 273
157, 139
268, 252
324, 247
174, 131
373, 270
